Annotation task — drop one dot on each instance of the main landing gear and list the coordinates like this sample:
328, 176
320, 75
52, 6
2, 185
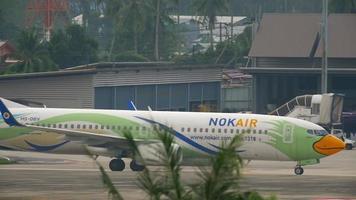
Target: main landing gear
119, 165
298, 170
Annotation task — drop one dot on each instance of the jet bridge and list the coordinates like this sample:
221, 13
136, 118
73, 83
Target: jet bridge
322, 109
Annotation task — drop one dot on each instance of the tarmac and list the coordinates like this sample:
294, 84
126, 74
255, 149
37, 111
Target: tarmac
51, 176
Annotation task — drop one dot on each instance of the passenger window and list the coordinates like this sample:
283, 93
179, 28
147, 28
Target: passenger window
137, 128
254, 131
59, 125
213, 130
201, 130
237, 131
266, 132
206, 130
84, 126
259, 131
243, 131
182, 129
219, 130
194, 130
65, 125
49, 125
144, 128
130, 128
96, 126
188, 129
107, 127
225, 130
118, 127
102, 127
231, 131
113, 127
72, 126
78, 126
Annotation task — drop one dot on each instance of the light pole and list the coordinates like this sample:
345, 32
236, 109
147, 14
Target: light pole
324, 37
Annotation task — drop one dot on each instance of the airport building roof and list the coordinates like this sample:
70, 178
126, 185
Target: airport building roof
109, 66
298, 36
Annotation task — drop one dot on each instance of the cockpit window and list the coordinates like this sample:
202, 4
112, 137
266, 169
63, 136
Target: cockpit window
317, 132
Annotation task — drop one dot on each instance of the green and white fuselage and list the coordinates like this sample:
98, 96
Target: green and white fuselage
264, 137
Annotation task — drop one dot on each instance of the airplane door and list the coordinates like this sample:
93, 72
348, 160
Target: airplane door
288, 136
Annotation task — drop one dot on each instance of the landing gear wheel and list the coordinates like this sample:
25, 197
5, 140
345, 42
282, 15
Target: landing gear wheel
117, 165
136, 167
298, 170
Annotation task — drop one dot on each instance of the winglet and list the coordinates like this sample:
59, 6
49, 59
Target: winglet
7, 115
132, 106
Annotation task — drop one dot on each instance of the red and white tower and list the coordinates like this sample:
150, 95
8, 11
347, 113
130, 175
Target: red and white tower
46, 11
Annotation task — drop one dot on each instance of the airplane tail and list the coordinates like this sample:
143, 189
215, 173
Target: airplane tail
6, 114
11, 104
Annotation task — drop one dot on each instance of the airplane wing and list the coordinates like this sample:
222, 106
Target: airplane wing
88, 138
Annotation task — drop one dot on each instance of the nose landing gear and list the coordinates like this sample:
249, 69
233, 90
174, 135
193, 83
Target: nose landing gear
298, 170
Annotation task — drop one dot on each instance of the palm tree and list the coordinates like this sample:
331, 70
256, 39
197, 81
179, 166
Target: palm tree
158, 5
113, 7
209, 10
133, 16
32, 54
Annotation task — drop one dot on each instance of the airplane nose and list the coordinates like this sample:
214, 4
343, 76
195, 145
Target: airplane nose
328, 145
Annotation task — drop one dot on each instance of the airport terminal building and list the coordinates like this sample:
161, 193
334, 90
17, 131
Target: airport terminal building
162, 86
285, 58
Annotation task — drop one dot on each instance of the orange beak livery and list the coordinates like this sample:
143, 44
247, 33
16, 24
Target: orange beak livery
329, 145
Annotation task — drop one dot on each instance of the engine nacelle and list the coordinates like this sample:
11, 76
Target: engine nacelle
153, 153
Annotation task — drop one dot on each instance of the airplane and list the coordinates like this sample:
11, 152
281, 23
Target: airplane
198, 135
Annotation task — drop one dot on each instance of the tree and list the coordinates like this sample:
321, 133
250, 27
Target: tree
72, 47
209, 10
158, 5
32, 54
133, 18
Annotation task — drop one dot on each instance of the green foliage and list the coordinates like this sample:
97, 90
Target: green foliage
218, 181
72, 47
33, 54
230, 52
130, 56
209, 10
